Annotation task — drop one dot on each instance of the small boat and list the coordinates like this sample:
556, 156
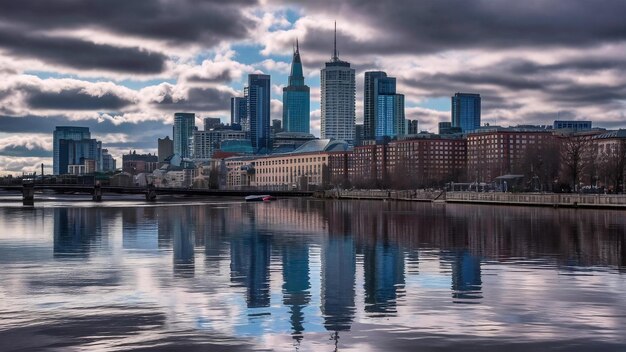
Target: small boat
257, 198
269, 198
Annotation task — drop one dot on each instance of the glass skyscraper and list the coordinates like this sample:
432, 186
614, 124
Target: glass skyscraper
338, 99
466, 111
65, 133
258, 108
184, 125
296, 99
386, 107
238, 110
369, 108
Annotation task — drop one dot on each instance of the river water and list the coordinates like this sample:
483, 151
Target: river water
310, 275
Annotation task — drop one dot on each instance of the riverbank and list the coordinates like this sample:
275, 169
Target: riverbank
563, 200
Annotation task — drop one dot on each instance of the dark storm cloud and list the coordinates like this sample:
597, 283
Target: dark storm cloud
223, 77
76, 53
22, 151
47, 124
74, 99
427, 26
197, 99
204, 22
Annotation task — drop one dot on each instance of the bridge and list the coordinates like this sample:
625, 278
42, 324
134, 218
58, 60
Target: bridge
96, 191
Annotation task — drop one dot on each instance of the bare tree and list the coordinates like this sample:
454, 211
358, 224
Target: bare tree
576, 159
612, 164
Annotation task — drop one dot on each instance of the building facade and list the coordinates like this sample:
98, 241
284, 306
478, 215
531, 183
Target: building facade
369, 103
575, 126
206, 142
66, 133
296, 99
338, 99
165, 148
238, 110
184, 126
466, 111
134, 163
258, 111
75, 153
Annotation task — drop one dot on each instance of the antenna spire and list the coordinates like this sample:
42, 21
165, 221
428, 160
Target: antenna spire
297, 46
335, 57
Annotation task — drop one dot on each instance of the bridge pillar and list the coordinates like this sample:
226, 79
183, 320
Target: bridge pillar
28, 193
97, 193
151, 193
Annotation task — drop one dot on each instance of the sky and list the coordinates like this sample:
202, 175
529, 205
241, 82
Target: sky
122, 68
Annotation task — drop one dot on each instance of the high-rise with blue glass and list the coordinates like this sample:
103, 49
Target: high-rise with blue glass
184, 125
296, 99
258, 110
67, 133
466, 111
384, 109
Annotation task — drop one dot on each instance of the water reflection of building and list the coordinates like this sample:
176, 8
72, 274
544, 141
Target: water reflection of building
384, 277
183, 247
74, 231
466, 274
249, 265
338, 278
296, 284
139, 229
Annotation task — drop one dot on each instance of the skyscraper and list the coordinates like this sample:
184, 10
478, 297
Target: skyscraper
67, 133
466, 111
296, 99
338, 98
369, 106
165, 148
184, 125
238, 110
384, 109
258, 109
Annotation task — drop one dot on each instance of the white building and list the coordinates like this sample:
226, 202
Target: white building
338, 92
206, 142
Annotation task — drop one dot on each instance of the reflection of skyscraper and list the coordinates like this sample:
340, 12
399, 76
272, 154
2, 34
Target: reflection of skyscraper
74, 230
249, 265
338, 275
139, 229
184, 263
296, 284
466, 275
384, 275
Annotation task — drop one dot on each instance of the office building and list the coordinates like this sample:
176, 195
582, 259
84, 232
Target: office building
338, 99
184, 125
445, 127
67, 133
466, 111
258, 109
78, 157
359, 134
575, 126
165, 148
383, 108
369, 103
238, 110
412, 127
206, 142
296, 99
212, 122
108, 162
134, 163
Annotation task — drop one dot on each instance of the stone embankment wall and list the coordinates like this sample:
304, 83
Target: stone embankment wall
528, 199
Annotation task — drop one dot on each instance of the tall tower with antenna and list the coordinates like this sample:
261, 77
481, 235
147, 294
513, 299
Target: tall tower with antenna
338, 93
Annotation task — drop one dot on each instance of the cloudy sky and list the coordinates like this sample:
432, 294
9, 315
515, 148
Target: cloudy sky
124, 67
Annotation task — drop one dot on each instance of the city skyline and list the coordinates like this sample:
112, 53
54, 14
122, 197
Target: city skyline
570, 69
